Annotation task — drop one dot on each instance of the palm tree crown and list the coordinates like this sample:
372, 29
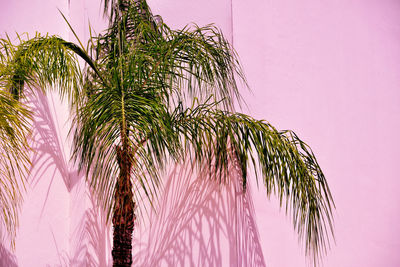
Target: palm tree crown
14, 150
149, 94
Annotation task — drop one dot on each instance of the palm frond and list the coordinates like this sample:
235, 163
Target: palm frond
205, 60
98, 130
288, 166
157, 93
14, 159
45, 62
192, 62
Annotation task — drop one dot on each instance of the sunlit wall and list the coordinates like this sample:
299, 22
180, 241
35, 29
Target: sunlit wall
329, 70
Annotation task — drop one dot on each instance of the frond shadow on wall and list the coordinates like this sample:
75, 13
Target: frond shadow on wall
200, 222
7, 258
48, 161
48, 150
91, 245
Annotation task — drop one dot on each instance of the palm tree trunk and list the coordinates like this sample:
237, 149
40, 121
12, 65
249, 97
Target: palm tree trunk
124, 211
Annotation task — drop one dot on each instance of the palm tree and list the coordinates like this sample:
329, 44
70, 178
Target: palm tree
14, 159
149, 94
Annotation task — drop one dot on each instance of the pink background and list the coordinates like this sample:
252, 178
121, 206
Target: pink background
329, 70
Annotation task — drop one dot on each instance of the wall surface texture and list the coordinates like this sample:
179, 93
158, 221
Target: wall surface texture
329, 70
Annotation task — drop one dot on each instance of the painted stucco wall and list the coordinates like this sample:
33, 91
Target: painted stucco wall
329, 70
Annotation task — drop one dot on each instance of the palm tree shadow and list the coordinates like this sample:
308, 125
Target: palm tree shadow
200, 222
92, 238
7, 258
48, 150
48, 160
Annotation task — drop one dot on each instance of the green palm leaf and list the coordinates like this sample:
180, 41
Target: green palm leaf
149, 94
14, 161
288, 166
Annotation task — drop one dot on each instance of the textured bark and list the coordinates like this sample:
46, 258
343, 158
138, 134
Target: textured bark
124, 211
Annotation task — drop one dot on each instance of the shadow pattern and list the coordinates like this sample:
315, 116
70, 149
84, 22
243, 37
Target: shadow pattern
197, 220
92, 245
200, 222
48, 150
7, 259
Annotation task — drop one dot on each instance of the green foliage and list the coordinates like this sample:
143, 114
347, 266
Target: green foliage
14, 160
168, 94
41, 62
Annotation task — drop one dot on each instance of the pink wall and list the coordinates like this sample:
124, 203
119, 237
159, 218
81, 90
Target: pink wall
327, 69
330, 70
43, 237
